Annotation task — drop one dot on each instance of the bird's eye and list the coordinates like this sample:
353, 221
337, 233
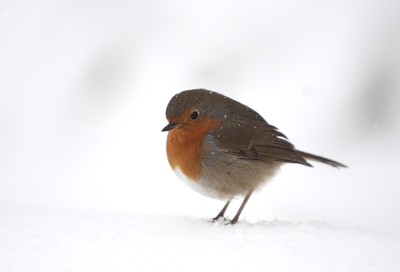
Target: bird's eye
194, 115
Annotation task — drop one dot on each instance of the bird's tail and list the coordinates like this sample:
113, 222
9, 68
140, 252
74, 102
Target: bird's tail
312, 157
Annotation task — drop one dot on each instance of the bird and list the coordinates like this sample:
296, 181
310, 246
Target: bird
223, 149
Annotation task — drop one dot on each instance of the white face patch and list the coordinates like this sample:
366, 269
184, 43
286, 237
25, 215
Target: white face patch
195, 185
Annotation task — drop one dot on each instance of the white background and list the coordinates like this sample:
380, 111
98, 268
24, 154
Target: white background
84, 86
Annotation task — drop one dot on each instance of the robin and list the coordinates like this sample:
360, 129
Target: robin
223, 149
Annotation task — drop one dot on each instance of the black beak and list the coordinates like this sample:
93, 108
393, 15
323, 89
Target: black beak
169, 126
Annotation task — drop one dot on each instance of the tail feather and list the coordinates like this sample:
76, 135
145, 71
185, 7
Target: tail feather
312, 157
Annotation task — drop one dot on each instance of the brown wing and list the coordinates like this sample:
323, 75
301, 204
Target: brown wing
240, 137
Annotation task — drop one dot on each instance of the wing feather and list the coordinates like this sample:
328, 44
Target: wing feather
241, 138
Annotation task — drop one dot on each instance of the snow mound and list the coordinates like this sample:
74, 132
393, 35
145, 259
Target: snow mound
42, 240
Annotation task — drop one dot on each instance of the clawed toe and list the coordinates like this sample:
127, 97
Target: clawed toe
230, 222
218, 219
223, 220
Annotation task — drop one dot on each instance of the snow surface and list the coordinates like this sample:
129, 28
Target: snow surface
83, 91
42, 240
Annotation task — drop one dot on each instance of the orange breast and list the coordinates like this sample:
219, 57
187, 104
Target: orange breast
185, 147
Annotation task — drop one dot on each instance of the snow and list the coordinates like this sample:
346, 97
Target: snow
45, 240
85, 184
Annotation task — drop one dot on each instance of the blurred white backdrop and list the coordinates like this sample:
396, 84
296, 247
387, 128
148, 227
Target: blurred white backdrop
84, 86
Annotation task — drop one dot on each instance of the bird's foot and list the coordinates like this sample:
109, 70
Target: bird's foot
230, 222
219, 219
223, 220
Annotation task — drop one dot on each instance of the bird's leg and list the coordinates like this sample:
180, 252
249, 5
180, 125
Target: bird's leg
222, 212
236, 218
